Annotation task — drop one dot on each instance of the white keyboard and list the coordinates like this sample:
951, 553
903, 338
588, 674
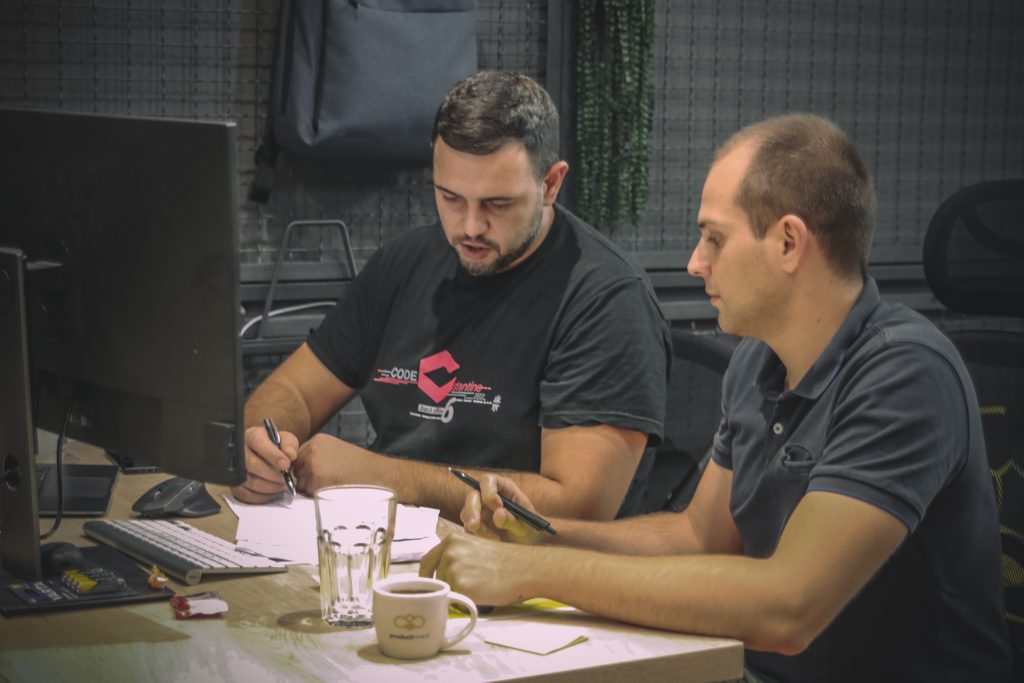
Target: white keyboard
180, 549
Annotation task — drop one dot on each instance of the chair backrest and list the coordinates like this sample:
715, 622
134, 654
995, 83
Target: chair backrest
692, 415
974, 263
974, 250
995, 360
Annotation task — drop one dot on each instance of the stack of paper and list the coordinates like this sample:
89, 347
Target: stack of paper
286, 530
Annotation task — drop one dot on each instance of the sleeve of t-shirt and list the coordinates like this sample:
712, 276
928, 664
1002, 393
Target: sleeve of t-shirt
721, 446
899, 432
351, 330
609, 363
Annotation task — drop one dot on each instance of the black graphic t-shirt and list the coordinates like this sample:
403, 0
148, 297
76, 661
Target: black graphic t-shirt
465, 370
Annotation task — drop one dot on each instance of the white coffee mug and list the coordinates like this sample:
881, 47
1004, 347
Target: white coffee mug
410, 615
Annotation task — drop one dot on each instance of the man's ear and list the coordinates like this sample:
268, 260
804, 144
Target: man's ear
793, 239
553, 181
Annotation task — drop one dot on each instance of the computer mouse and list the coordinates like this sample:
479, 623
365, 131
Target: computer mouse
59, 557
178, 497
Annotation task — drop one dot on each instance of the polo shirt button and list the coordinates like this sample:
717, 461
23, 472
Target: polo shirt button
777, 428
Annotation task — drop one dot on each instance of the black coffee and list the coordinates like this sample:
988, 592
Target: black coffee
412, 591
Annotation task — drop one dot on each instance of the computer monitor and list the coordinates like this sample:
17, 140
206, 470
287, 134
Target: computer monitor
119, 300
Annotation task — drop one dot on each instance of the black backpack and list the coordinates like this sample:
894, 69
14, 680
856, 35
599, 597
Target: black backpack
358, 82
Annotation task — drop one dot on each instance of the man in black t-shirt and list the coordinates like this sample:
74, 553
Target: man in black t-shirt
510, 336
845, 528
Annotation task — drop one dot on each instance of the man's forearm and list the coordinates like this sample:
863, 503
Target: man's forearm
277, 400
712, 595
831, 547
432, 485
666, 533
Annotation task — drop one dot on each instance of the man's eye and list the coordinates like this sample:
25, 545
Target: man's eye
498, 206
451, 198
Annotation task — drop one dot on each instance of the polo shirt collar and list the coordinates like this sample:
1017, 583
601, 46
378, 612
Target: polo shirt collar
826, 367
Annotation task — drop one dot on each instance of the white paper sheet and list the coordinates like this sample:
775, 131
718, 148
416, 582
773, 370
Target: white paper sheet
286, 529
541, 639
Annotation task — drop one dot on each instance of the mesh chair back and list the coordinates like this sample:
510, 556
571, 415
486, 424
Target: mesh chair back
974, 250
974, 263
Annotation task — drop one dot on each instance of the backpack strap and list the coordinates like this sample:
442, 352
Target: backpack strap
266, 153
266, 160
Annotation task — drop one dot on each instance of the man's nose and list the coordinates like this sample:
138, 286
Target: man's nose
698, 265
476, 222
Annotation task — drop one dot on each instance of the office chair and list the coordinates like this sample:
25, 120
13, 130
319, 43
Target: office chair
974, 264
692, 415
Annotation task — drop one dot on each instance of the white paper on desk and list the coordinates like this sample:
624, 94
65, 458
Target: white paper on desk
541, 639
286, 529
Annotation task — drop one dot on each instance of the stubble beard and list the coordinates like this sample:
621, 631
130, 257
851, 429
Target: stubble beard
504, 260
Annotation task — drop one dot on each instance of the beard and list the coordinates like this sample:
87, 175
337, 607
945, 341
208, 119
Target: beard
530, 230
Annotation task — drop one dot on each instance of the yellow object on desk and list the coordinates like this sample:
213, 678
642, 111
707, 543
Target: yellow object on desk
516, 609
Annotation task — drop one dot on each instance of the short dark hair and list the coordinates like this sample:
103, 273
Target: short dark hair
491, 108
805, 165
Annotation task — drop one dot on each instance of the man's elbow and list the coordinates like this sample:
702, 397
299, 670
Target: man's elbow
783, 642
790, 628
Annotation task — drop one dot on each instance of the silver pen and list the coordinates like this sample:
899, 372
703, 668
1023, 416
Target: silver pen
275, 437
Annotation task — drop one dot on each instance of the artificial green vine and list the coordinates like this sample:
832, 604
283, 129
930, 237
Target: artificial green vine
615, 104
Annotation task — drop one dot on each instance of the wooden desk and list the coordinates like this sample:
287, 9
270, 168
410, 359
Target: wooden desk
273, 632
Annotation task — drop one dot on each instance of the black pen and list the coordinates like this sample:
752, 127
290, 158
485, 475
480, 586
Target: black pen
536, 521
275, 437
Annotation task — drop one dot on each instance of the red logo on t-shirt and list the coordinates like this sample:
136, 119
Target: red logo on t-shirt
427, 385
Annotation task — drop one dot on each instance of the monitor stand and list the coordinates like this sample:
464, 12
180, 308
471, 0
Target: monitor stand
18, 506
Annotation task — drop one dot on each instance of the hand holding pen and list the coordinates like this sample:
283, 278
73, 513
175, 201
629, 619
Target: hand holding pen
275, 438
531, 518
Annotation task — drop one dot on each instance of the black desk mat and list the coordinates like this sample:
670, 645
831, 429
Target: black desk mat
109, 558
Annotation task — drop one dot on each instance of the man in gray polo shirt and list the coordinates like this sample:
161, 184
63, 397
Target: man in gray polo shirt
846, 527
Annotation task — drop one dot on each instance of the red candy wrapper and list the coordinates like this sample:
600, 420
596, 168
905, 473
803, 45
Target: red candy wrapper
198, 606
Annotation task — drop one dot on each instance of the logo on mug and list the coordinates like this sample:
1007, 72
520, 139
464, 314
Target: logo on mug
410, 621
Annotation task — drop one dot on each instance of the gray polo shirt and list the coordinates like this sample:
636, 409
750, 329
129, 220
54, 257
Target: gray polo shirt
887, 415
